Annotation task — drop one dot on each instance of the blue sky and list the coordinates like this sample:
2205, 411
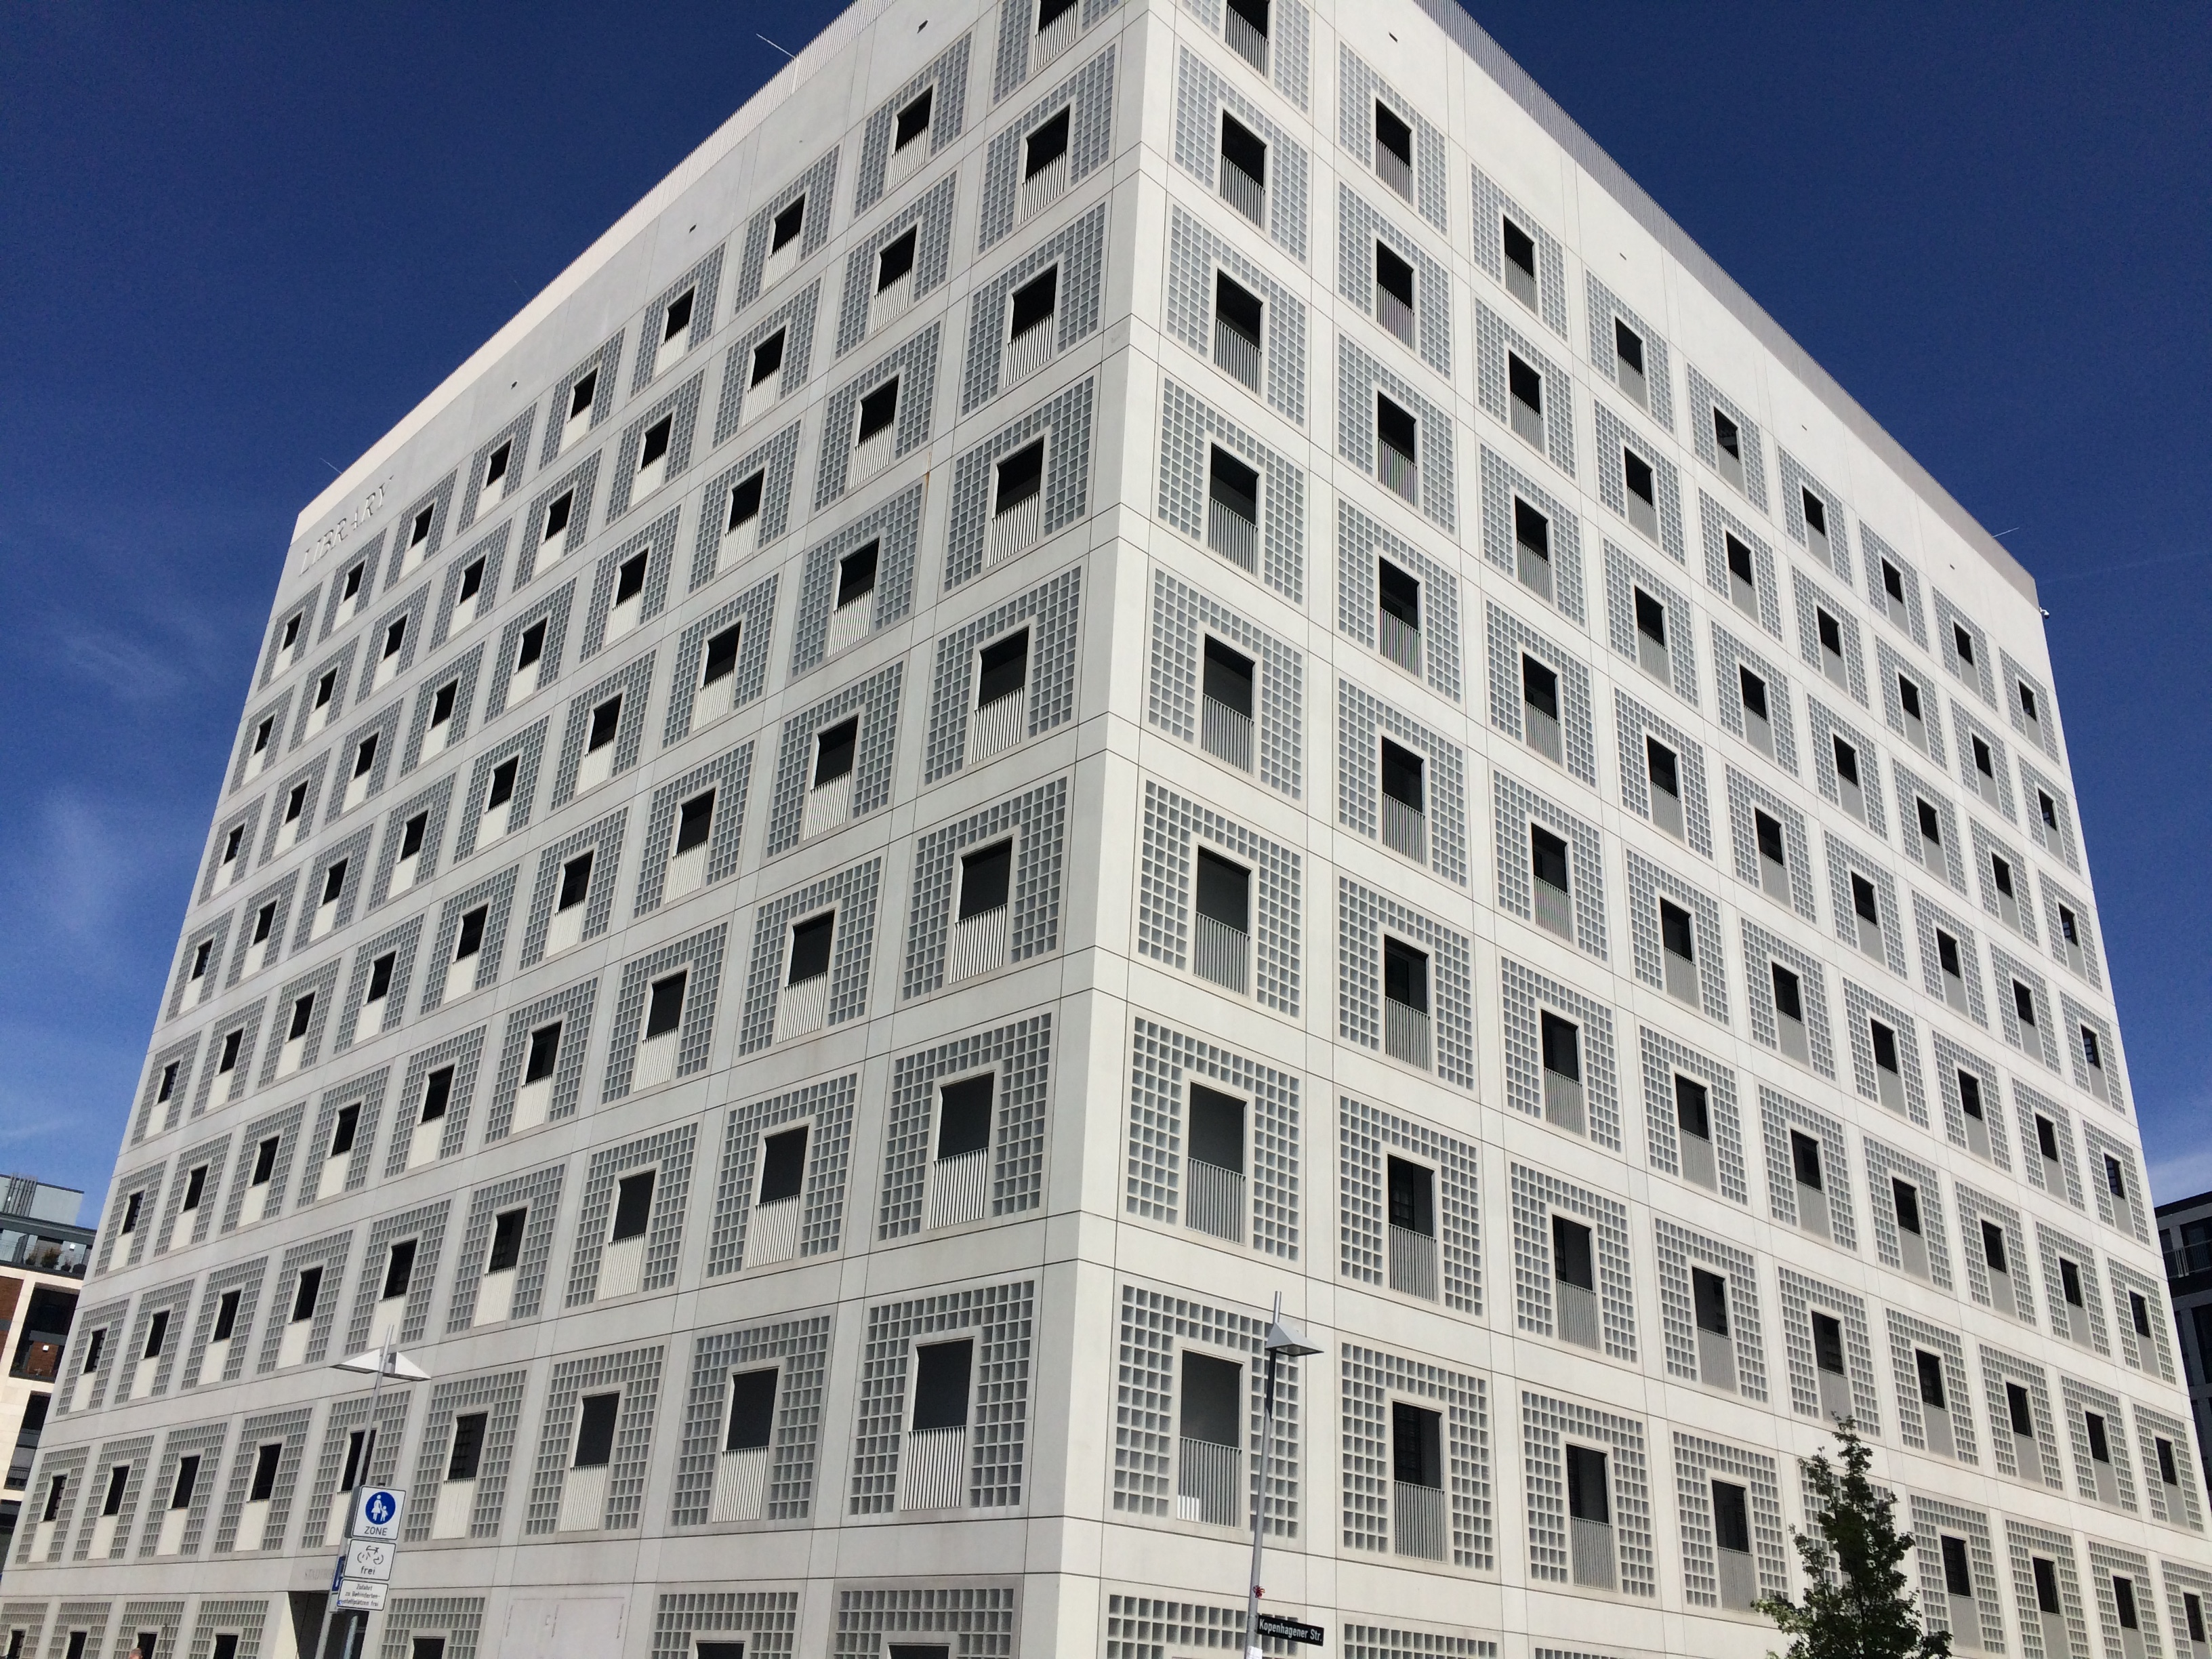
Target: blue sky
241, 242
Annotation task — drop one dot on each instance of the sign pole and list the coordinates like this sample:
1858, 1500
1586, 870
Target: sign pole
1259, 1494
360, 1469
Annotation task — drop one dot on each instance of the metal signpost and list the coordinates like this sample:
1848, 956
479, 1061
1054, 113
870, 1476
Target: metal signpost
1280, 1344
363, 1573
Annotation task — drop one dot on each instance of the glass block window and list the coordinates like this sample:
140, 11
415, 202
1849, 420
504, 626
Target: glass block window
1663, 1058
487, 558
1606, 309
365, 1095
1547, 1424
1747, 800
494, 897
657, 542
242, 823
929, 215
353, 587
2107, 1565
1164, 1065
426, 1225
700, 956
1190, 433
603, 842
1620, 451
1678, 1247
1359, 228
1183, 617
1063, 421
137, 1196
1976, 664
1360, 379
1779, 1113
552, 612
1366, 1136
633, 684
288, 1430
1827, 729
1885, 1167
1076, 253
2152, 1352
1361, 722
1998, 1368
2079, 1398
2050, 817
2080, 951
1625, 575
728, 775
1360, 542
1862, 1007
1359, 88
2027, 700
156, 1114
463, 1053
479, 500
817, 188
1976, 1210
772, 461
1928, 920
69, 1467
210, 1156
1698, 1461
281, 1126
1002, 1318
798, 1349
1037, 821
572, 1006
1505, 488
1172, 827
2053, 1245
766, 1621
1141, 1627
2018, 982
1518, 808
825, 1108
349, 859
1493, 208
875, 701
171, 1302
1018, 1059
1495, 339
1537, 1197
1523, 994
945, 80
2031, 1105
894, 528
135, 1453
1818, 617
912, 364
2111, 1084
1510, 639
656, 348
295, 801
1825, 540
1706, 401
669, 1154
497, 1397
679, 409
1647, 883
794, 321
635, 1372
246, 1278
459, 1619
1913, 791
1087, 96
979, 1617
1880, 558
1966, 730
1195, 258
753, 613
288, 636
162, 1618
1801, 1296
327, 1254
1155, 1327
1636, 725
1762, 952
2179, 1504
538, 1192
1201, 99
556, 522
1371, 1380
600, 367
851, 892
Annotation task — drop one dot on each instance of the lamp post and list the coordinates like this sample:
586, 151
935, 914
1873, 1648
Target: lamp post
1280, 1344
380, 1363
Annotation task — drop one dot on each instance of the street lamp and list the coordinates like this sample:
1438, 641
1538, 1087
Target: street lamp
379, 1362
1280, 1344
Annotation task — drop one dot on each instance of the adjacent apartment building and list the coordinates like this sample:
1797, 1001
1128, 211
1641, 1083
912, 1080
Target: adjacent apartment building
2184, 1234
43, 1256
1116, 657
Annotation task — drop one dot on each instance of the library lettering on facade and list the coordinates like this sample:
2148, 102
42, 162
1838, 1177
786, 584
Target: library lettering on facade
1117, 658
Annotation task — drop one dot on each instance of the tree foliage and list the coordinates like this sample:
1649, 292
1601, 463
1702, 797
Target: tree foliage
1857, 1603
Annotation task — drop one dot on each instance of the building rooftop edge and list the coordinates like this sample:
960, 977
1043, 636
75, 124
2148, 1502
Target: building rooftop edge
2183, 1203
1457, 23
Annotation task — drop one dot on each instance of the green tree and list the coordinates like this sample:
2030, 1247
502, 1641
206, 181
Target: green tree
1857, 1605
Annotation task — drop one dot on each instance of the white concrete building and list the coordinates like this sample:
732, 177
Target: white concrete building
1114, 659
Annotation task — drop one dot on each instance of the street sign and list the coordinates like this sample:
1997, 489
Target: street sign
378, 1515
359, 1595
370, 1558
1291, 1629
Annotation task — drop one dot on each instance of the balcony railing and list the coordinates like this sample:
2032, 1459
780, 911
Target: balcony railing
1405, 1033
2189, 1259
1222, 954
1247, 195
1213, 1199
1417, 1521
1246, 41
1225, 733
1237, 353
1400, 641
1413, 1263
1404, 830
1207, 1479
1398, 471
1232, 534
